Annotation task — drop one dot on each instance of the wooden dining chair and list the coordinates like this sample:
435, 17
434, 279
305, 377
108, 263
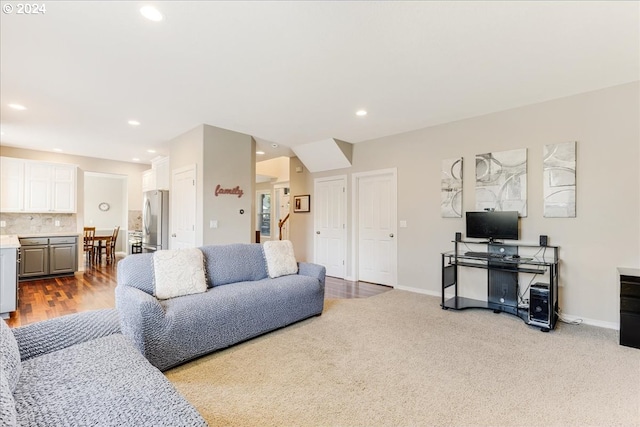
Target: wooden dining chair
111, 248
89, 243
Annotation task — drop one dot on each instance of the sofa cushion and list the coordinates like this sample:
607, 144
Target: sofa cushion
280, 258
238, 262
179, 272
104, 382
10, 365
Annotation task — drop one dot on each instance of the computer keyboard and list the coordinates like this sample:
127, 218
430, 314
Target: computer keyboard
483, 255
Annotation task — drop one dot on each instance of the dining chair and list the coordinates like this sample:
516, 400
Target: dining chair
111, 248
89, 243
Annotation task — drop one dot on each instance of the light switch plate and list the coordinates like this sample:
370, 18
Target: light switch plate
3, 224
403, 224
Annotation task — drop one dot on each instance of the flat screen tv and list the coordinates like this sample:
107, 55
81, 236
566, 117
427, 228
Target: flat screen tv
493, 225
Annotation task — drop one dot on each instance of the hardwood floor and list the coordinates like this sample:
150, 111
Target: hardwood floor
94, 289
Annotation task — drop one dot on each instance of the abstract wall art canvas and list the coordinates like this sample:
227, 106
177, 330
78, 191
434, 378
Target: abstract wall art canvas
451, 189
559, 172
501, 181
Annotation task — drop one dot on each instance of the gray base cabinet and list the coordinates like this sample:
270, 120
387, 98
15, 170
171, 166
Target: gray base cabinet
35, 261
48, 256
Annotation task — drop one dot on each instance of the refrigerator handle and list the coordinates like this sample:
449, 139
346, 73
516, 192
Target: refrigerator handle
147, 216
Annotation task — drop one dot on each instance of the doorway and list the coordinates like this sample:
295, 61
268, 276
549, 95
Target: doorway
330, 238
183, 208
374, 219
106, 205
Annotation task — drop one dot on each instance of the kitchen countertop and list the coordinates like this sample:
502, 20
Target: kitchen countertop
33, 235
8, 241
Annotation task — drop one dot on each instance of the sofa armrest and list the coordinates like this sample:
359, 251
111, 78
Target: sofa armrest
312, 270
50, 335
141, 314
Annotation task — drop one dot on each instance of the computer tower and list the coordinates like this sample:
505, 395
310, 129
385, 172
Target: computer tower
539, 307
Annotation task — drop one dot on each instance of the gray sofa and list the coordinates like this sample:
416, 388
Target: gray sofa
78, 370
241, 302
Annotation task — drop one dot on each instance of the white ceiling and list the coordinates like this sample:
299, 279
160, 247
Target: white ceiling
294, 72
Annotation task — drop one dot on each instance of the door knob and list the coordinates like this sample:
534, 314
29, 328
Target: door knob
390, 234
317, 232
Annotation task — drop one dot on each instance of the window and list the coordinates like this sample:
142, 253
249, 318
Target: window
264, 213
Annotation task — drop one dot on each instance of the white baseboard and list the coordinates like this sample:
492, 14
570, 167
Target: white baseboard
566, 317
418, 291
592, 322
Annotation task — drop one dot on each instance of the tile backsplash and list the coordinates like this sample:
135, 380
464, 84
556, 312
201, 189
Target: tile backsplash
135, 220
32, 223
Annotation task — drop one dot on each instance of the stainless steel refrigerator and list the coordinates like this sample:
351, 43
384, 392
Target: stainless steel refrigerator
155, 220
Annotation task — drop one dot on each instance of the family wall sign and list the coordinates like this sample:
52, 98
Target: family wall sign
235, 191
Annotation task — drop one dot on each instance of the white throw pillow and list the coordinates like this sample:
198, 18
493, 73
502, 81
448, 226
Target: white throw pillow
179, 272
280, 258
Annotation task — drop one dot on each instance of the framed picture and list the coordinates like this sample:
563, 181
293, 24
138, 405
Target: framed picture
302, 203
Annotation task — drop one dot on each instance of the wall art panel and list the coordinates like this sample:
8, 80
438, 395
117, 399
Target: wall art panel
501, 181
559, 172
451, 190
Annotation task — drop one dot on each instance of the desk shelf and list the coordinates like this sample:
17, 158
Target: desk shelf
503, 278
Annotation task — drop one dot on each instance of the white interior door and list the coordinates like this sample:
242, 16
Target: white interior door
183, 208
330, 224
376, 218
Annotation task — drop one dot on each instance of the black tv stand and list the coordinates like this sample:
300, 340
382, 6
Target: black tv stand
504, 294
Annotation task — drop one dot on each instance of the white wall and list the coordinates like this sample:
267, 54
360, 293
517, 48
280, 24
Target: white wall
277, 168
109, 189
606, 126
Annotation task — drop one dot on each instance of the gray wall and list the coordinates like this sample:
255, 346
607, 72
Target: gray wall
605, 234
221, 157
230, 161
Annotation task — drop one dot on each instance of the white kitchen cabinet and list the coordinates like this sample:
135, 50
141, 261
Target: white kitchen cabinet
12, 184
158, 177
33, 186
163, 175
148, 180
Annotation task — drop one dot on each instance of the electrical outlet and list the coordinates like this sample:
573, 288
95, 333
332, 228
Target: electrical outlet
57, 223
3, 224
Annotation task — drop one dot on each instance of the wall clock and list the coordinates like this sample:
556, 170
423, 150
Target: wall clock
104, 206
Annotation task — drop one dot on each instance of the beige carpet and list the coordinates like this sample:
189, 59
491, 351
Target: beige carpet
397, 359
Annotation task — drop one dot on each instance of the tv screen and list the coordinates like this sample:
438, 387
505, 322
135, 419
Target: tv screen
493, 225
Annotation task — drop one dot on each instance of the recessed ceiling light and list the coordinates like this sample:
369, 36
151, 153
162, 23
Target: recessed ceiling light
17, 107
151, 13
274, 145
58, 150
151, 151
361, 113
134, 122
260, 153
135, 159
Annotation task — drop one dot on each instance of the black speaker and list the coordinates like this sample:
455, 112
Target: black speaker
458, 236
544, 240
539, 303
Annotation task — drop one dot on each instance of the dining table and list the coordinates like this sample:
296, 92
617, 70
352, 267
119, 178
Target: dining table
98, 246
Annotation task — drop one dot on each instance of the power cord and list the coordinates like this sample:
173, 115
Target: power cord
521, 296
568, 322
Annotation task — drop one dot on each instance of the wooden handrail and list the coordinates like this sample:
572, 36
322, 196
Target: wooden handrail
281, 224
